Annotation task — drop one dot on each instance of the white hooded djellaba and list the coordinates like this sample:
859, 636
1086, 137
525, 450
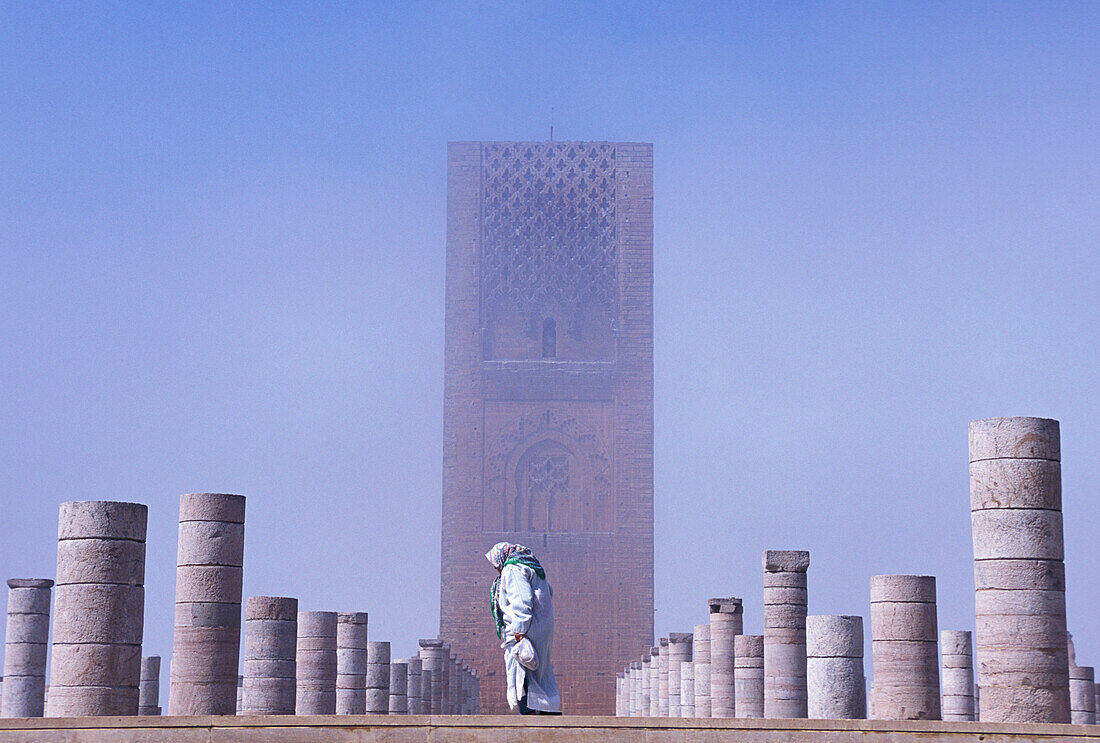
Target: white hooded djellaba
523, 604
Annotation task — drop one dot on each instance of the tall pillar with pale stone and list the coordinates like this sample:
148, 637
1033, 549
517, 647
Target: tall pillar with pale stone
149, 687
399, 688
700, 654
726, 624
687, 689
643, 682
835, 685
957, 671
99, 609
1082, 695
270, 655
662, 679
654, 682
207, 639
28, 632
315, 658
351, 663
903, 647
679, 652
378, 677
413, 669
785, 633
748, 678
431, 651
1019, 574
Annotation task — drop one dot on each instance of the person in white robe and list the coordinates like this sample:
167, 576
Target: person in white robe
522, 604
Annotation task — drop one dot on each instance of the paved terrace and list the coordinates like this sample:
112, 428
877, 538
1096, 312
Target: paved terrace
505, 729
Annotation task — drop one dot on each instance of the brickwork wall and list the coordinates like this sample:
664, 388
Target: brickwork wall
593, 403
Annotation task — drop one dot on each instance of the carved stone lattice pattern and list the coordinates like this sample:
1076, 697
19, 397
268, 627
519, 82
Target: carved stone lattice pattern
548, 476
548, 231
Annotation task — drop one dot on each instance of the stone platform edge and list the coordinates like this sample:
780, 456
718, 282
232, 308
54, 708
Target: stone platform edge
498, 728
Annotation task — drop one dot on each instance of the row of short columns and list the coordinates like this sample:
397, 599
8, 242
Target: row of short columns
294, 662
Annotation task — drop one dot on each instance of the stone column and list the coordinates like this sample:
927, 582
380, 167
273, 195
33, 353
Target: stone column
399, 688
28, 632
726, 624
662, 678
835, 686
240, 694
958, 675
1082, 695
432, 653
315, 657
378, 678
1019, 574
654, 682
748, 675
903, 647
634, 672
207, 641
446, 671
785, 633
413, 668
700, 654
643, 685
619, 694
351, 663
679, 652
149, 687
426, 688
687, 689
270, 655
99, 608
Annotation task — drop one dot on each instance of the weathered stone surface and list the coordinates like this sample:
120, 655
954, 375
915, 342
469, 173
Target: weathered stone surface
399, 689
378, 677
1014, 438
270, 652
23, 693
1015, 494
726, 624
209, 577
413, 670
434, 657
785, 601
748, 675
95, 665
904, 649
957, 674
315, 659
149, 687
687, 689
351, 663
1082, 695
700, 653
836, 688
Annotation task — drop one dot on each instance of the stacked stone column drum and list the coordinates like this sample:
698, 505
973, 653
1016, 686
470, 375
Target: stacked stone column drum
643, 682
209, 573
399, 688
679, 652
378, 678
654, 681
700, 653
28, 632
835, 685
433, 655
99, 606
149, 687
662, 677
726, 625
748, 677
957, 673
413, 669
785, 633
1082, 695
1019, 574
903, 647
270, 655
316, 663
687, 689
351, 663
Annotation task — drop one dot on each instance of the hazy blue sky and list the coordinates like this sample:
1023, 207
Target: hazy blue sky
222, 251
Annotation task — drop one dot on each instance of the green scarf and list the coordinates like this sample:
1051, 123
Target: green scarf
516, 558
